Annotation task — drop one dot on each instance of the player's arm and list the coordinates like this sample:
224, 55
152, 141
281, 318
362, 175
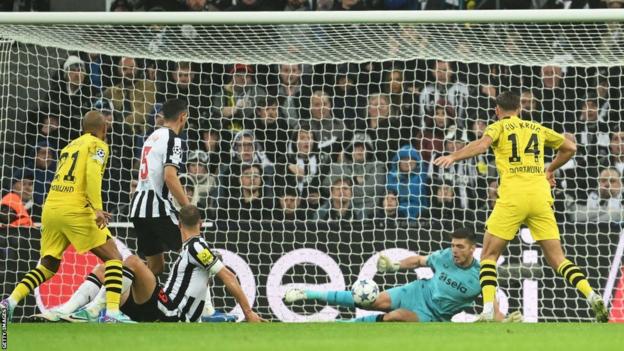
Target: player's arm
475, 148
96, 163
233, 287
174, 185
565, 152
386, 265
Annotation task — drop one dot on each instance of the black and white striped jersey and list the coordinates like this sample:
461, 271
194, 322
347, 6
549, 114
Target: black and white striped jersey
152, 198
188, 281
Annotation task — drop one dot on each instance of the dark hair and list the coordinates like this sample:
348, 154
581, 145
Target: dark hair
464, 233
344, 180
171, 109
508, 101
266, 101
189, 216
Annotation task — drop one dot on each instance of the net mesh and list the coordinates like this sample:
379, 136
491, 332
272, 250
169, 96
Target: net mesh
323, 114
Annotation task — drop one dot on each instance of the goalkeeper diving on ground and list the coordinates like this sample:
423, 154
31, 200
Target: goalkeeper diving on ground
453, 288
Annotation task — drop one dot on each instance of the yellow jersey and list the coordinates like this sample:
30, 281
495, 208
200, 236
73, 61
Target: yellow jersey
519, 151
78, 179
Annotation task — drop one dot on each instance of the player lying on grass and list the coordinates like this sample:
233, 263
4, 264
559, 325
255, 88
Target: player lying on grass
182, 298
453, 288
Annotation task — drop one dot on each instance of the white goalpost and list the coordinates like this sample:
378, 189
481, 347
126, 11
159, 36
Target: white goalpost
323, 106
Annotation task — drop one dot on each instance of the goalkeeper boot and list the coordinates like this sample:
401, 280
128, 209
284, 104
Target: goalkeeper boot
599, 308
488, 313
83, 315
294, 295
115, 317
6, 309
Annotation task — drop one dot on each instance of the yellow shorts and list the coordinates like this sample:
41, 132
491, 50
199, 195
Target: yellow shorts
534, 211
61, 227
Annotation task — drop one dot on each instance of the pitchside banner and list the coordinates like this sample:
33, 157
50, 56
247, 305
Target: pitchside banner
269, 258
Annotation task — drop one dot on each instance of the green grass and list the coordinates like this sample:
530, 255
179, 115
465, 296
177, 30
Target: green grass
316, 336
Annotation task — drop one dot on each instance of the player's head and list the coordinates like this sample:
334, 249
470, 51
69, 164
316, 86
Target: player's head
507, 104
95, 122
190, 219
463, 245
175, 113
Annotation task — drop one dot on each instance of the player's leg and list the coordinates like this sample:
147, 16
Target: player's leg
501, 227
403, 303
545, 231
53, 244
332, 297
154, 237
400, 315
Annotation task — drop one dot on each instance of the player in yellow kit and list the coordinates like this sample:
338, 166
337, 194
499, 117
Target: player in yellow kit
73, 214
524, 196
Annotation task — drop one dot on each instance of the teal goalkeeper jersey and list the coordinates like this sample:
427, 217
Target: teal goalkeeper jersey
452, 288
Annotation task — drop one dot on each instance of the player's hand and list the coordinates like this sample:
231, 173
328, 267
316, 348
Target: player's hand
102, 218
550, 176
252, 317
386, 265
513, 317
444, 161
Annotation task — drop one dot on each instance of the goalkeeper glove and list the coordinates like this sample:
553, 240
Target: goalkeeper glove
386, 265
513, 317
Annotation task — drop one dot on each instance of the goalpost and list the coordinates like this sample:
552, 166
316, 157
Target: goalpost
398, 83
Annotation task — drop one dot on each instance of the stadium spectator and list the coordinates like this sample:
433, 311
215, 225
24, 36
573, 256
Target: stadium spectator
298, 5
121, 213
443, 87
573, 177
69, 97
446, 211
303, 167
382, 127
15, 206
401, 98
555, 98
407, 177
528, 106
616, 156
155, 119
184, 83
388, 209
270, 127
256, 5
437, 126
348, 101
367, 174
466, 176
235, 101
43, 168
339, 206
249, 198
328, 131
288, 205
605, 204
134, 96
592, 134
197, 170
214, 145
121, 6
290, 91
100, 70
350, 5
48, 130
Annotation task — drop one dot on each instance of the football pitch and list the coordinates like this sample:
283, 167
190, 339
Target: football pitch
316, 336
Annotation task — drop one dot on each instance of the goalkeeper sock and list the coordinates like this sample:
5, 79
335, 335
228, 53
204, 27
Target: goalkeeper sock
86, 292
369, 319
488, 280
575, 277
30, 282
98, 303
113, 280
341, 298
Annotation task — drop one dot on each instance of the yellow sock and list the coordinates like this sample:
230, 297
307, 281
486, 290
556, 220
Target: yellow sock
575, 277
30, 282
488, 280
113, 277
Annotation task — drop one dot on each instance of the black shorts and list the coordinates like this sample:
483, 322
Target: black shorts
156, 235
145, 312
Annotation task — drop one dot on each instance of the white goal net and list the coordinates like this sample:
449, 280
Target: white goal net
309, 145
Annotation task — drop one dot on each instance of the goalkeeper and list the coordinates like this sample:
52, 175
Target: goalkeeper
453, 288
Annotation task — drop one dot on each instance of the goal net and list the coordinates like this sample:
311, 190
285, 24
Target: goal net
309, 145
